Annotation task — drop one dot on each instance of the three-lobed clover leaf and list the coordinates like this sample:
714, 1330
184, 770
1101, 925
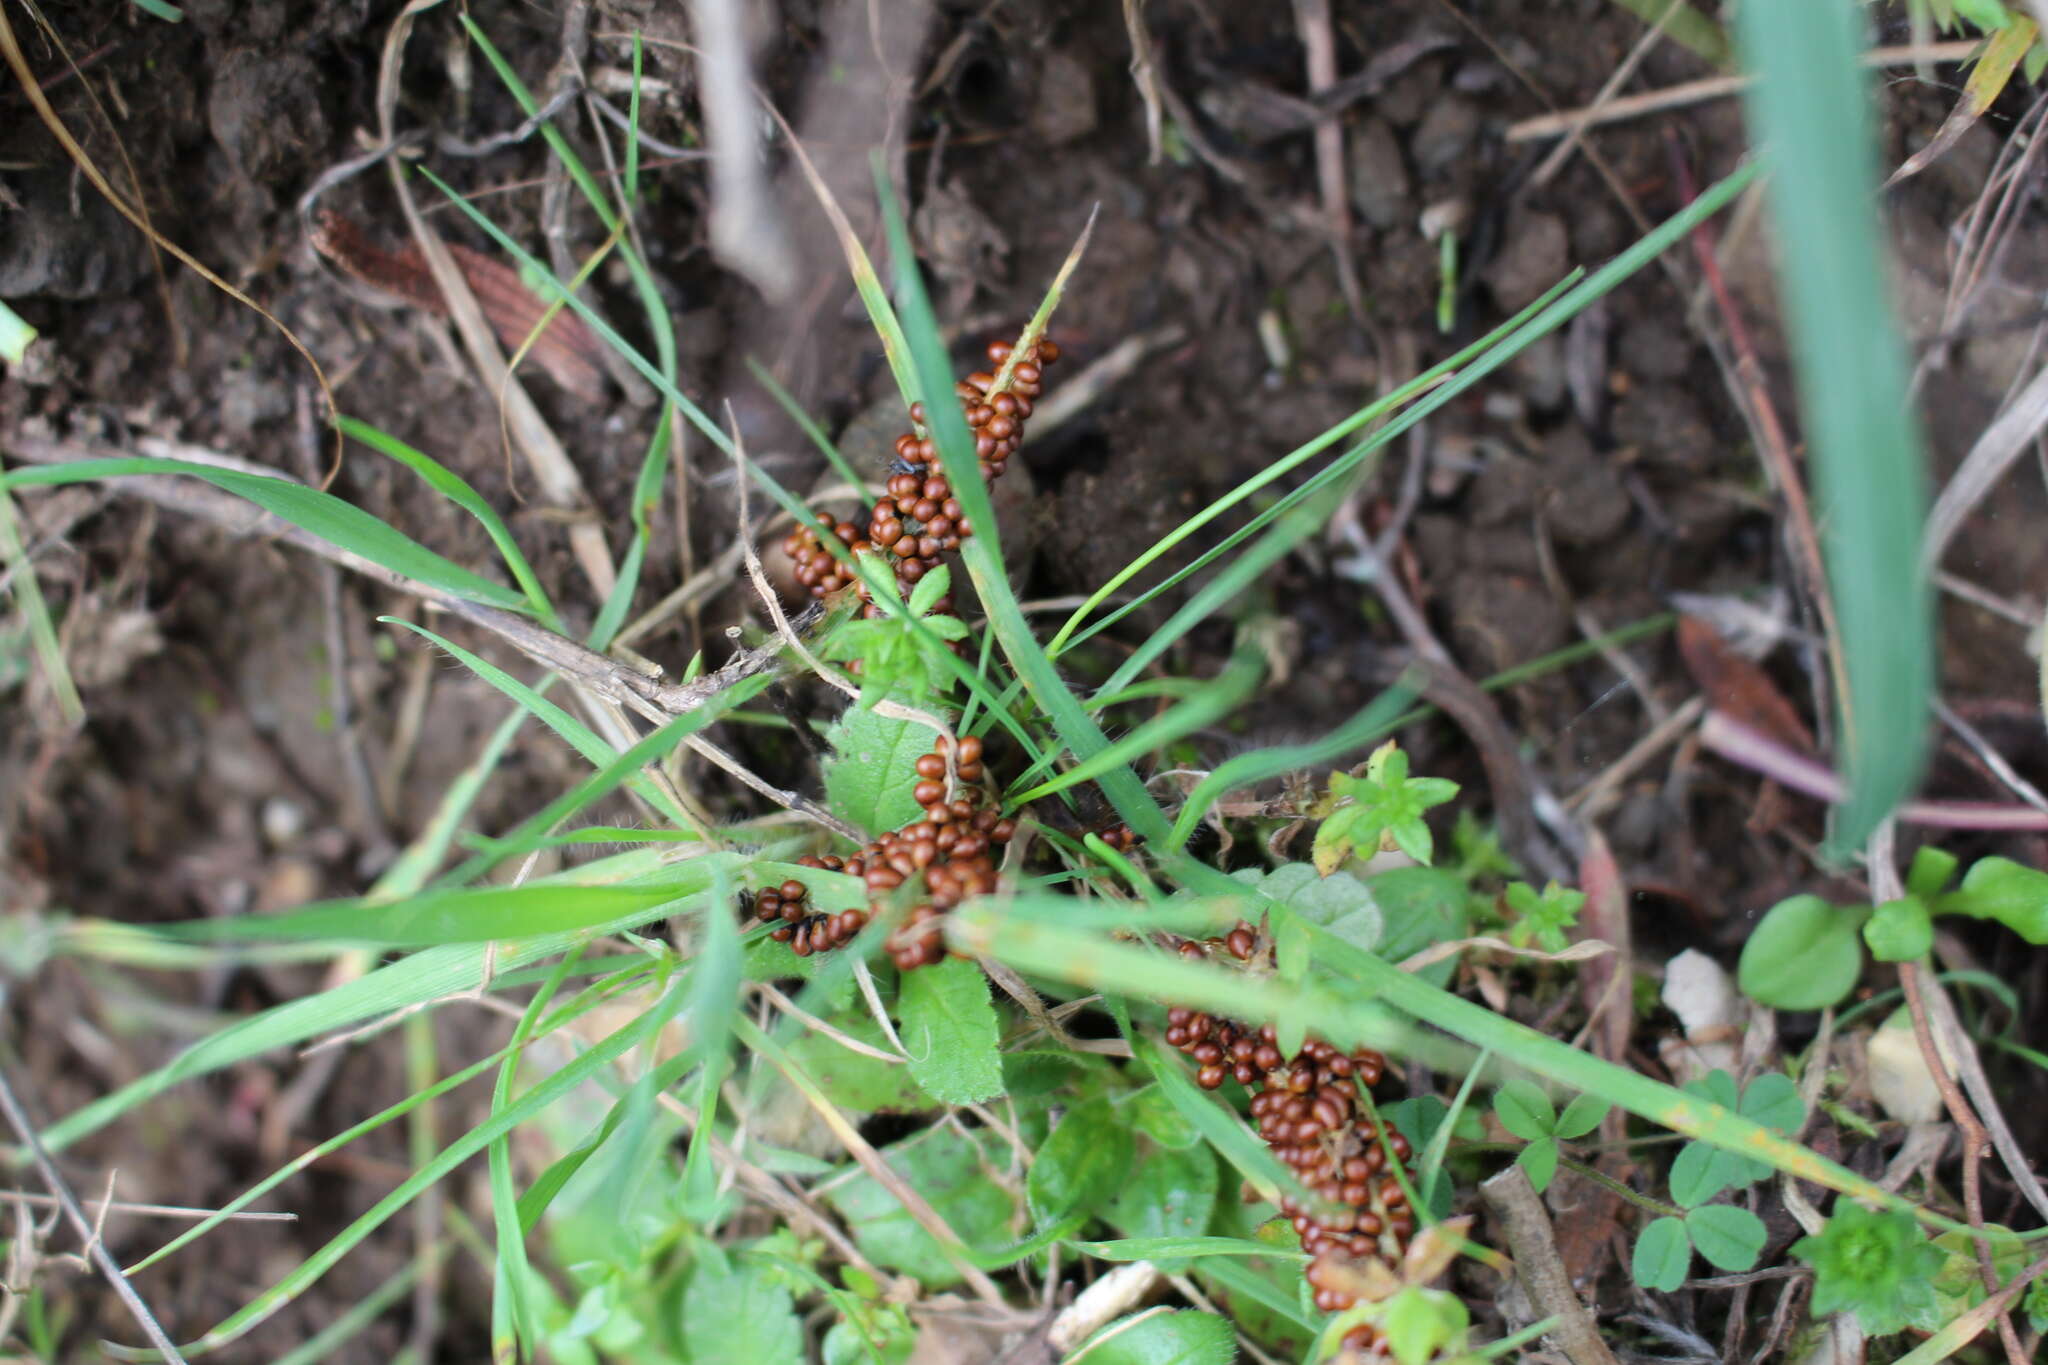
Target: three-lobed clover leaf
1871, 1263
1543, 918
1381, 811
1525, 1111
1702, 1170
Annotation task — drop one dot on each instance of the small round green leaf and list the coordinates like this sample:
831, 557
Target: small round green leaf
1581, 1116
1700, 1171
1900, 930
1160, 1336
1539, 1162
1730, 1238
1663, 1255
1773, 1100
1804, 955
1524, 1110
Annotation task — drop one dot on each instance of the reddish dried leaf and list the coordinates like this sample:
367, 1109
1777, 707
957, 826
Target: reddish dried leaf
1603, 981
1738, 688
567, 350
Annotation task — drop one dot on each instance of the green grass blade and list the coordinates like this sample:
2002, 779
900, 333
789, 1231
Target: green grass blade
1366, 415
414, 868
1298, 525
432, 974
1088, 960
579, 736
465, 915
655, 747
1179, 1248
1215, 699
15, 336
512, 1304
549, 1090
325, 1148
1376, 719
794, 410
1548, 319
324, 515
457, 490
42, 631
1810, 106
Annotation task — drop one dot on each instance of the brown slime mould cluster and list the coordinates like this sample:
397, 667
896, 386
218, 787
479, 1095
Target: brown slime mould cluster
1307, 1109
951, 847
918, 520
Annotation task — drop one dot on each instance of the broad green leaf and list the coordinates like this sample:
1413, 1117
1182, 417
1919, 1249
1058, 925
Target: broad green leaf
1525, 1110
741, 1314
1772, 1099
853, 1080
873, 768
1730, 1238
1081, 1164
951, 1171
1803, 955
1662, 1256
1421, 907
1339, 902
949, 1031
1152, 1114
1419, 1323
1171, 1193
1161, 1336
1930, 871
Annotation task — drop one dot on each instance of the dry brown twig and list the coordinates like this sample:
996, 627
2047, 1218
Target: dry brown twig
1540, 1269
1572, 121
87, 1229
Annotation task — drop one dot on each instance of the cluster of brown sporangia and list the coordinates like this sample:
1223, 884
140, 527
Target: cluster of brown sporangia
1306, 1106
1307, 1109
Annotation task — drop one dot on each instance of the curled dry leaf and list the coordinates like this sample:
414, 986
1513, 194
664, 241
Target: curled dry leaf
567, 350
1738, 688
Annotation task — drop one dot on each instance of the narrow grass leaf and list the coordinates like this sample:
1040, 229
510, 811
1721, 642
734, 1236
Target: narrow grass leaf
1216, 698
1810, 107
338, 523
432, 974
794, 410
1547, 318
42, 631
655, 747
484, 914
547, 1092
1244, 770
1182, 1248
580, 737
457, 490
512, 1310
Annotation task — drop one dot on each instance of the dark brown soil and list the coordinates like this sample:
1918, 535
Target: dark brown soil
210, 779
